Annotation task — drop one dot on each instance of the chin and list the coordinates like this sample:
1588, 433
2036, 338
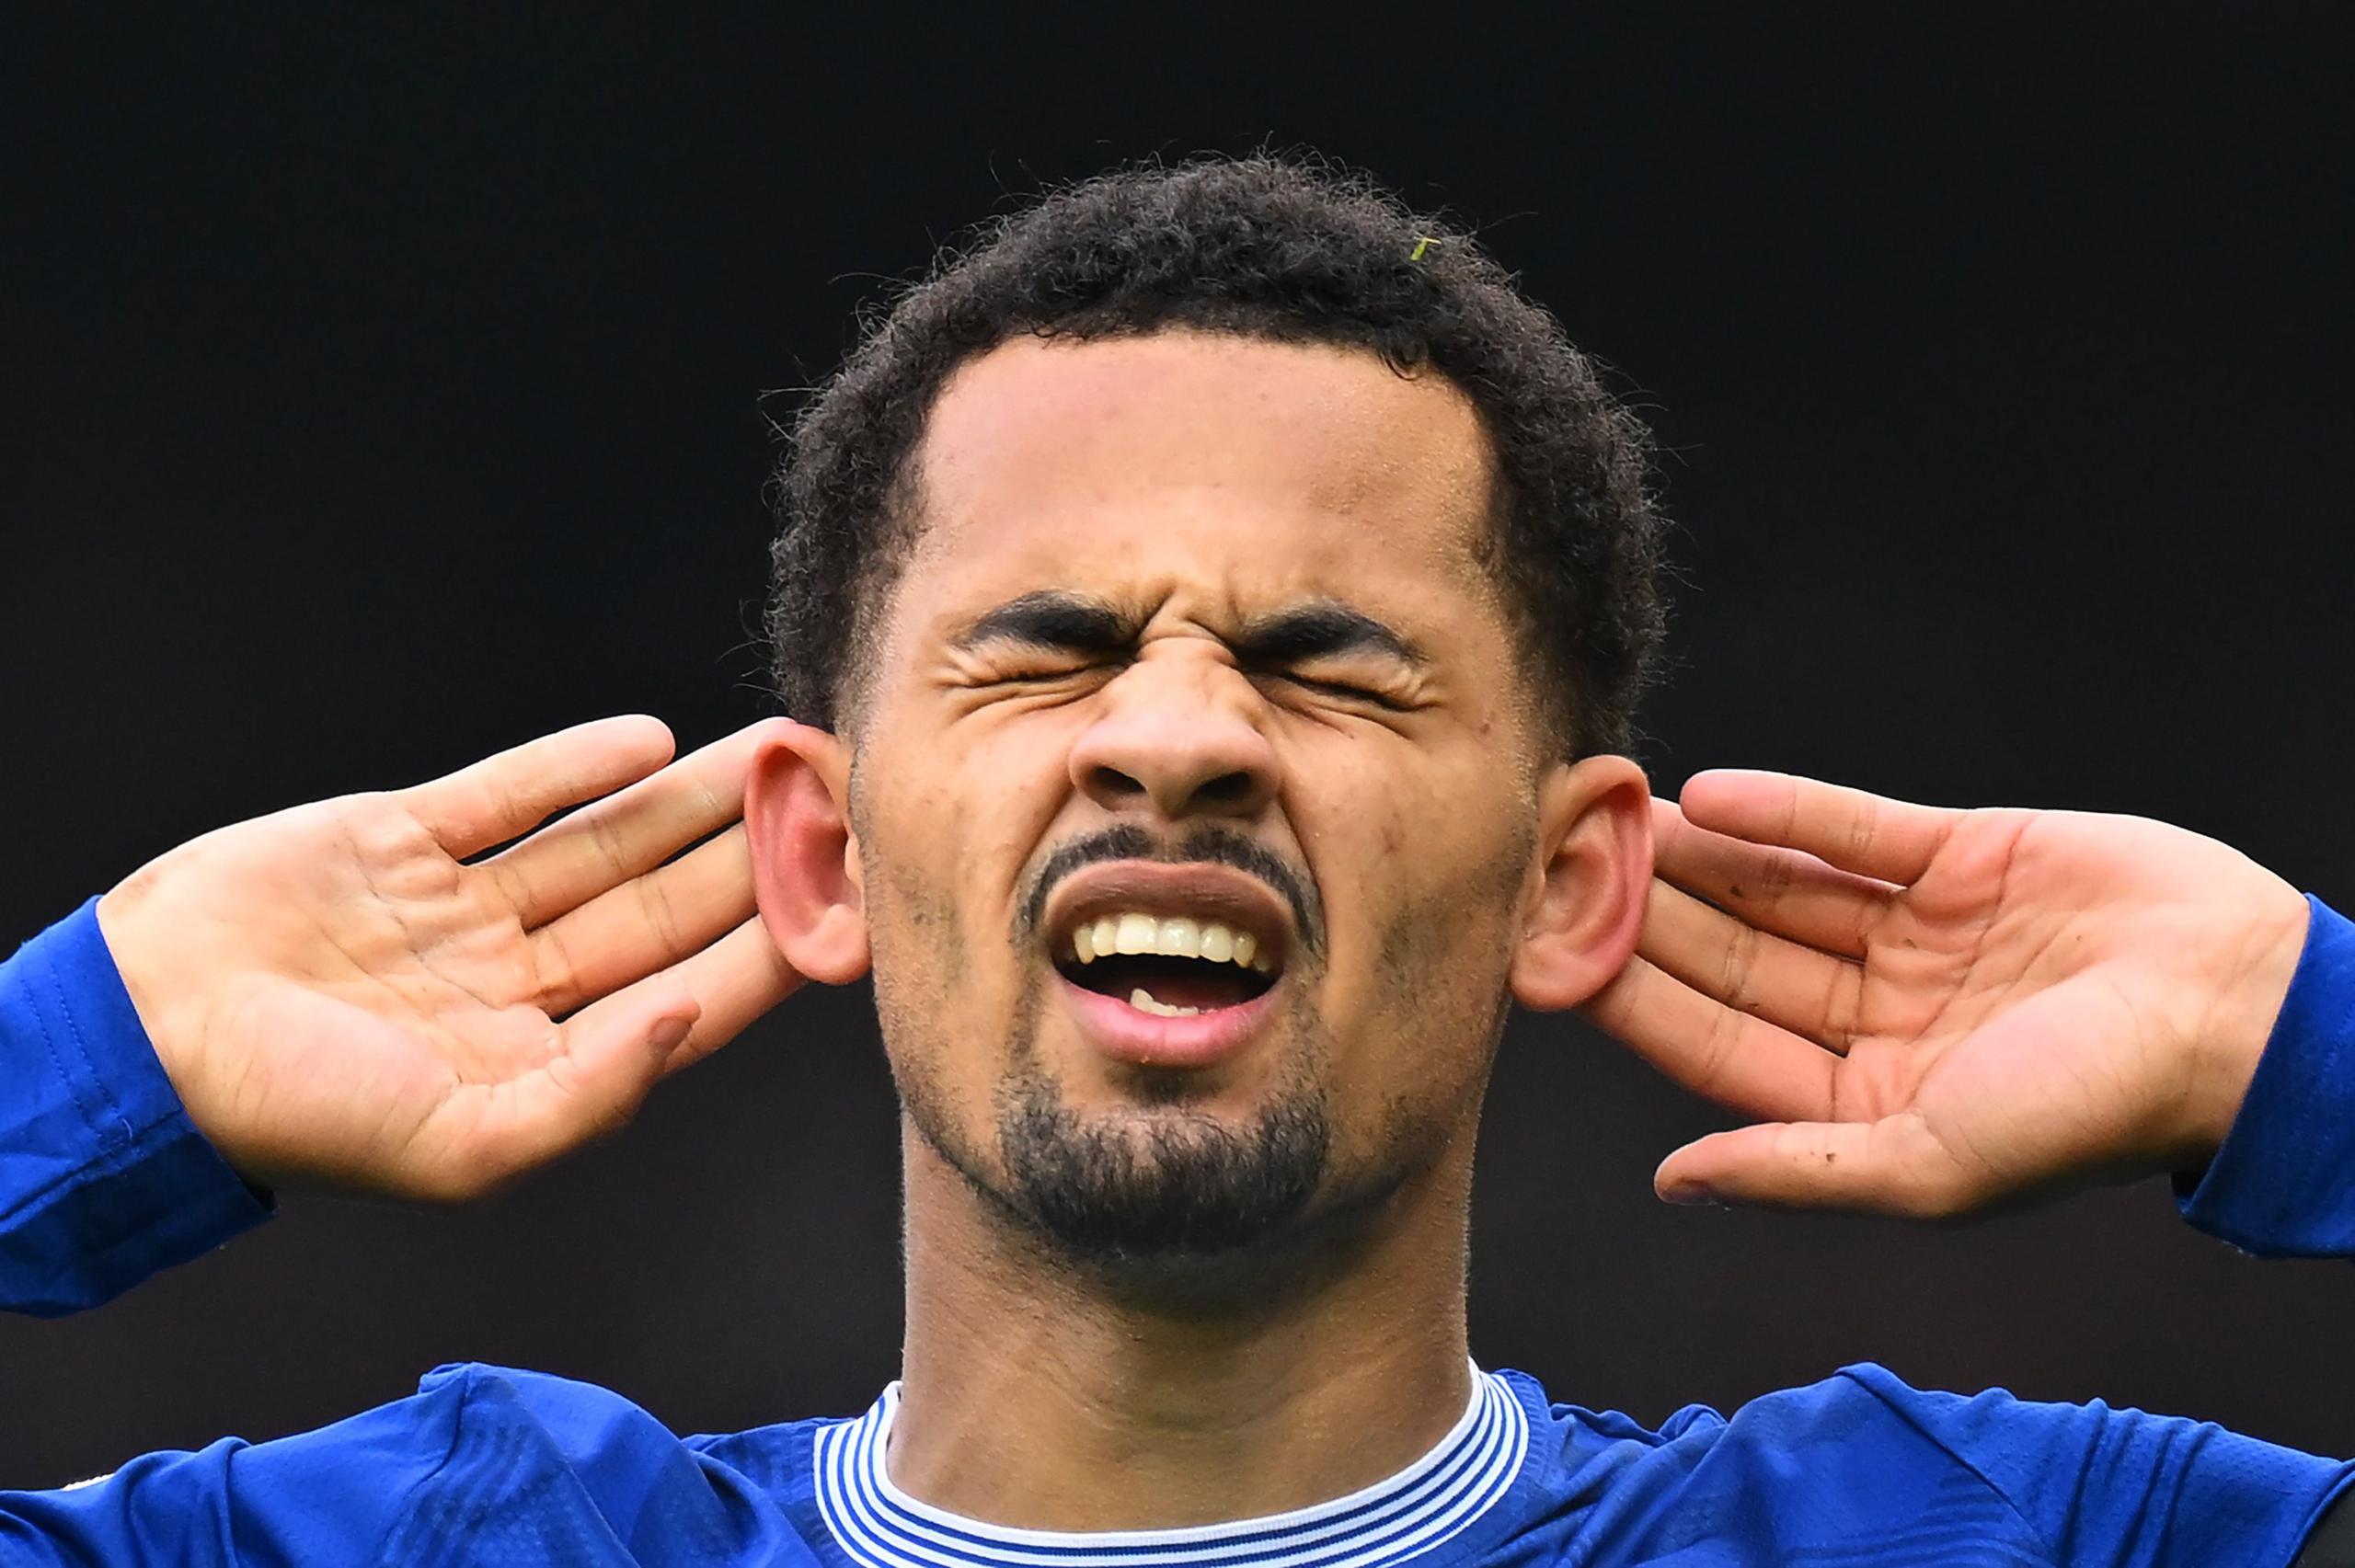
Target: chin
1159, 1179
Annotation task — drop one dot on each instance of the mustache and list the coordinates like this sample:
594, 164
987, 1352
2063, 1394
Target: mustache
1205, 841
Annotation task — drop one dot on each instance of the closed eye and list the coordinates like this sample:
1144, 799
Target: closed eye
1041, 677
1343, 690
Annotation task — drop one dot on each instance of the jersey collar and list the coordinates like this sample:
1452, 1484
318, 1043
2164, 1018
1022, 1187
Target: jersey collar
1430, 1502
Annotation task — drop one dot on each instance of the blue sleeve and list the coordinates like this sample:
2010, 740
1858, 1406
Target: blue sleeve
2283, 1183
481, 1465
103, 1178
338, 1494
2099, 1486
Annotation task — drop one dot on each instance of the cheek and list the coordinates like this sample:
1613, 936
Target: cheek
1445, 950
921, 954
943, 845
915, 928
1440, 871
913, 922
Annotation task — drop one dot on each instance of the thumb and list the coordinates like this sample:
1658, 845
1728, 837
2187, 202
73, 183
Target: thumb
1892, 1166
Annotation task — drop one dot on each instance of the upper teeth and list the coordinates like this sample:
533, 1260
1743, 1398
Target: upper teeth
1172, 936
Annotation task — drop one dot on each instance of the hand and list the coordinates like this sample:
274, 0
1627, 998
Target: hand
1931, 1010
340, 998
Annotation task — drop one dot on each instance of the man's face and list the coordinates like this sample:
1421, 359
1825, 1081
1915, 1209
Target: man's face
1193, 792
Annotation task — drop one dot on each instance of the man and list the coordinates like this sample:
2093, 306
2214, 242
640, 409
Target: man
1214, 607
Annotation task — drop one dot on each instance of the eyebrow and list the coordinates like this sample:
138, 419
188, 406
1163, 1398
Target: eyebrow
1321, 629
1062, 621
1053, 618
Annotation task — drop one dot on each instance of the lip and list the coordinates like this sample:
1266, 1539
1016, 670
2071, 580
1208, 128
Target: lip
1201, 889
1145, 1039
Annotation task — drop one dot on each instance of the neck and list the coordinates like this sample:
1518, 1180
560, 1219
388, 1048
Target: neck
1042, 1396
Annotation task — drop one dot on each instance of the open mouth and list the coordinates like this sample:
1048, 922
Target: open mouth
1170, 966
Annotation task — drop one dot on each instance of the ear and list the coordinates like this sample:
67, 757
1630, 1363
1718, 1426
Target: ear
1595, 831
806, 874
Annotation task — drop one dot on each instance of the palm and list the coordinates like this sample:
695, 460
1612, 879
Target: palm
426, 1009
1932, 1010
377, 1011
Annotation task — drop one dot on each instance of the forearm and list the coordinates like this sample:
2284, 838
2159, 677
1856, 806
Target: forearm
103, 1178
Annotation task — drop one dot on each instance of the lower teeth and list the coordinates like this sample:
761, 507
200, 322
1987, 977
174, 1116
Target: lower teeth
1144, 1000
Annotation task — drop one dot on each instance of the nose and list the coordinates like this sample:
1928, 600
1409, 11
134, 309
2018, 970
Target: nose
1177, 737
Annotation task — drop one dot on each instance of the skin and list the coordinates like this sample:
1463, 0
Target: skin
350, 994
1932, 1013
1198, 486
1923, 1012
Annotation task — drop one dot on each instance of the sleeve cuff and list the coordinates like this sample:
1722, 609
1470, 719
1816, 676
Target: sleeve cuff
2283, 1183
103, 1178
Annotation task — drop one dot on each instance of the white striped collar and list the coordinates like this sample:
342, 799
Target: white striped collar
877, 1526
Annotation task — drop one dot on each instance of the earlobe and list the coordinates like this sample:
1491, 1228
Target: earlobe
805, 865
1594, 818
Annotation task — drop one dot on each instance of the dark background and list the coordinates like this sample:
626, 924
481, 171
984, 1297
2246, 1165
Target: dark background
383, 389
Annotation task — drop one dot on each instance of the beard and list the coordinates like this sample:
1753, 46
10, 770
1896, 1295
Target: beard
1160, 1183
1154, 1183
1156, 1191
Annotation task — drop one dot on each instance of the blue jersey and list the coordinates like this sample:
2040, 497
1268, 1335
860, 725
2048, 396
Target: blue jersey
103, 1180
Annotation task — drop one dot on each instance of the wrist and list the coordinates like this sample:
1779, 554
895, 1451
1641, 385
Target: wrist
122, 922
2242, 987
142, 945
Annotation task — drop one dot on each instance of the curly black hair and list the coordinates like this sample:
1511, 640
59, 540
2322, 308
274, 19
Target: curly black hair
1278, 248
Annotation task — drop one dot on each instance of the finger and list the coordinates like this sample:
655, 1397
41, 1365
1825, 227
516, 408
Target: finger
1892, 1166
499, 797
737, 979
1890, 839
604, 844
1733, 1059
591, 1087
731, 982
644, 925
1787, 892
1730, 961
